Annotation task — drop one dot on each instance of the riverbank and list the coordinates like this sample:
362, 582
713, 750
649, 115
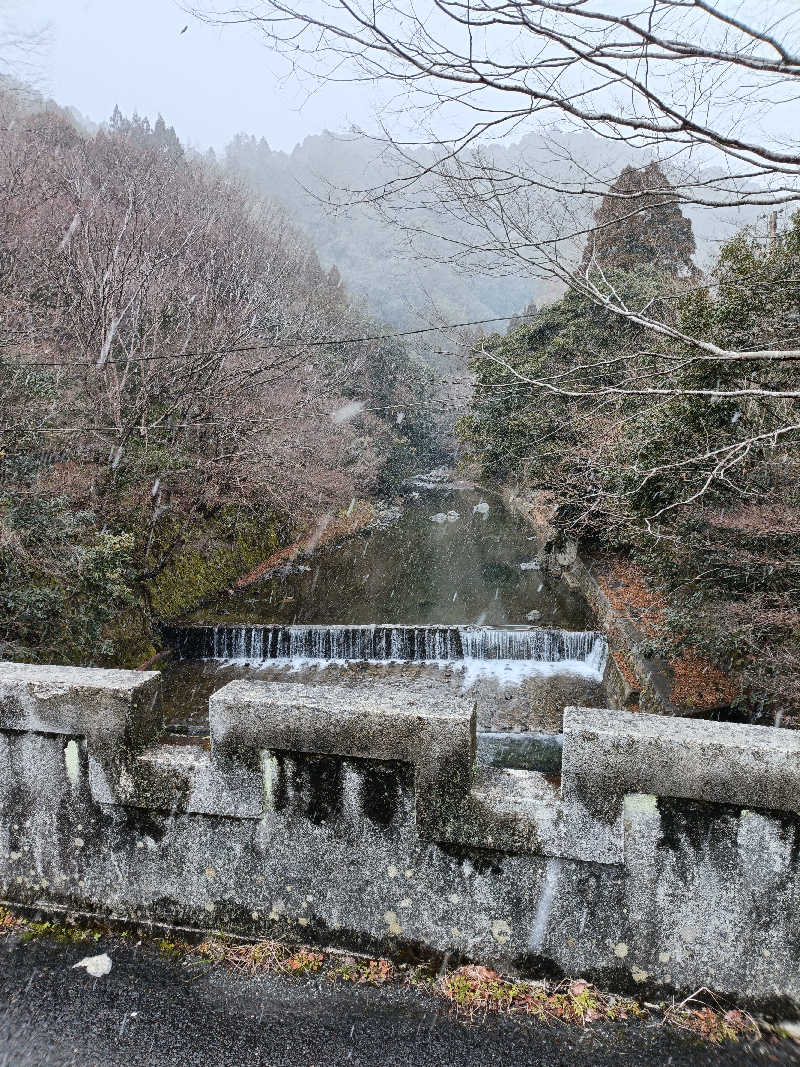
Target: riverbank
648, 668
361, 515
222, 557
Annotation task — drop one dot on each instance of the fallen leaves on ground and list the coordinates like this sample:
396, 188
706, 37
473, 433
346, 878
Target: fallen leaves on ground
696, 683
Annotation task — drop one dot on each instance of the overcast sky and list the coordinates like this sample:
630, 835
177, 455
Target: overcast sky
209, 83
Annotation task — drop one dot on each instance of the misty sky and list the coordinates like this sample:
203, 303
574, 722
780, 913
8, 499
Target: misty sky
209, 83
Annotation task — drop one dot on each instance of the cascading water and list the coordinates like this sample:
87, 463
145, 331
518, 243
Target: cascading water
414, 603
477, 648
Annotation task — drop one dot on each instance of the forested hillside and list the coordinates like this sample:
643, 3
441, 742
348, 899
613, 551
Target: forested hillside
675, 446
179, 387
410, 250
399, 278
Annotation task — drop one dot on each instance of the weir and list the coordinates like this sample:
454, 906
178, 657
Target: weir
391, 643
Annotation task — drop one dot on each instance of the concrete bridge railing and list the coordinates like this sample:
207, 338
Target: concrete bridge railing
666, 853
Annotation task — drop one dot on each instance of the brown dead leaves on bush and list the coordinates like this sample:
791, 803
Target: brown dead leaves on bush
696, 683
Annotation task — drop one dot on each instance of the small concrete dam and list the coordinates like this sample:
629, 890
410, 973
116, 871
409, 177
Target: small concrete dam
458, 780
522, 673
432, 606
520, 678
392, 643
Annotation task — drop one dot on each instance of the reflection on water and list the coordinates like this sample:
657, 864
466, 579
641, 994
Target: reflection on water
472, 567
451, 558
532, 699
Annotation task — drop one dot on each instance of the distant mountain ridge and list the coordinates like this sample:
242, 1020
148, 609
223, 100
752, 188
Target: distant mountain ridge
376, 262
405, 286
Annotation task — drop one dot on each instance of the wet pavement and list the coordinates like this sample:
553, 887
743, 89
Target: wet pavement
152, 1010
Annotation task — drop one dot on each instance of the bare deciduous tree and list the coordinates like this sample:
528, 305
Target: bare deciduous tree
167, 344
708, 88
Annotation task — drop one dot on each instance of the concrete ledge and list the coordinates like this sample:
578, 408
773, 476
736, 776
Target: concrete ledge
436, 736
110, 706
666, 854
119, 713
608, 754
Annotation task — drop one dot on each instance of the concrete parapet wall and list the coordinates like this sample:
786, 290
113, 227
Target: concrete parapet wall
666, 853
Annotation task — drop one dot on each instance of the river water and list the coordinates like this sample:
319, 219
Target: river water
471, 568
448, 557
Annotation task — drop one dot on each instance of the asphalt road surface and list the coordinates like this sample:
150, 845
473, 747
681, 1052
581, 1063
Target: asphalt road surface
155, 1011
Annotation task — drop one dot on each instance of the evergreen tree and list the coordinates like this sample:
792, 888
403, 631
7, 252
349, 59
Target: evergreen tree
640, 223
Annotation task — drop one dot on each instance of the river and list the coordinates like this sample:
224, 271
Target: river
446, 591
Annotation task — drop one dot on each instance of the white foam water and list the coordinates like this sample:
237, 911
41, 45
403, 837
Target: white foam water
505, 672
506, 655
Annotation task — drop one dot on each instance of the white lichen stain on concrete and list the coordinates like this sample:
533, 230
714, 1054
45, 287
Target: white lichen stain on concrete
638, 974
409, 874
392, 871
210, 905
405, 903
79, 842
270, 771
455, 931
640, 804
72, 762
621, 950
392, 924
501, 931
454, 898
303, 921
663, 957
255, 916
210, 873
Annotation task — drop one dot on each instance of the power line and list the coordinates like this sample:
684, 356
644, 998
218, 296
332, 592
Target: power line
271, 345
265, 423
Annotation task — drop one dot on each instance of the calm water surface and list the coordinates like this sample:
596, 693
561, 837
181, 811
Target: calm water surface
471, 568
466, 569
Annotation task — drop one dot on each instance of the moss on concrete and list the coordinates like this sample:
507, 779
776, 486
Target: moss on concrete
218, 552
